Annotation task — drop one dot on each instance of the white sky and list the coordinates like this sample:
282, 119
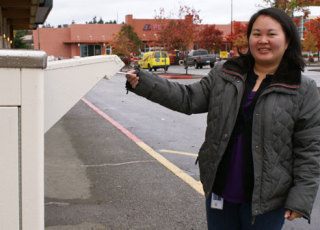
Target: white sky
211, 11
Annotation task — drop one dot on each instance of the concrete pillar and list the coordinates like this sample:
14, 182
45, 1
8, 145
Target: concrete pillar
33, 97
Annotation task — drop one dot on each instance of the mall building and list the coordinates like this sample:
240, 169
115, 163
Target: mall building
94, 39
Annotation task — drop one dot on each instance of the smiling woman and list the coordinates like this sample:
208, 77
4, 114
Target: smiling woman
261, 149
267, 42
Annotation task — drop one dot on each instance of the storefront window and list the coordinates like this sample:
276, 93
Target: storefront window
83, 50
97, 50
90, 50
108, 50
146, 48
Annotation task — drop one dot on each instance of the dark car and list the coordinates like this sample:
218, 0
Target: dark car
199, 58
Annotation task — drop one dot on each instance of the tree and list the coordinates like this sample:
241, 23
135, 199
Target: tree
238, 38
241, 42
47, 25
309, 42
111, 22
126, 42
18, 42
178, 33
289, 6
93, 21
100, 21
210, 38
313, 26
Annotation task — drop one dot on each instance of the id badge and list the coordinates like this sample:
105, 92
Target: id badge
216, 201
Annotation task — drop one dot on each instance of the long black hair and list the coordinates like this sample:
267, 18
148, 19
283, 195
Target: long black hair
293, 55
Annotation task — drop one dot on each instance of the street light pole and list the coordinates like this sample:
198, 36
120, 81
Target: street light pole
231, 16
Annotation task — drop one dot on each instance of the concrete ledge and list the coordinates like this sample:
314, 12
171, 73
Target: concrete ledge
23, 59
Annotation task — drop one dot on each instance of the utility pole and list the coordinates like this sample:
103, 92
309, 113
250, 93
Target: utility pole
231, 24
231, 16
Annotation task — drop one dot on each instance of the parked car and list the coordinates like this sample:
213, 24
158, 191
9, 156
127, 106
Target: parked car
154, 60
199, 58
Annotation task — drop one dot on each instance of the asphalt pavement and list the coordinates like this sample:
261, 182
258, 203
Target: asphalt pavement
97, 178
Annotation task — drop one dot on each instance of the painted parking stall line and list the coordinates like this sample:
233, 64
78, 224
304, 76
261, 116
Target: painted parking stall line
178, 153
196, 185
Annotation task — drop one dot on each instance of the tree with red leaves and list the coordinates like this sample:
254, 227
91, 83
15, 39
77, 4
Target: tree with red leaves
309, 42
179, 33
313, 26
210, 38
291, 6
238, 38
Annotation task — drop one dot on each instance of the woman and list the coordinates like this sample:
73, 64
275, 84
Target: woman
259, 163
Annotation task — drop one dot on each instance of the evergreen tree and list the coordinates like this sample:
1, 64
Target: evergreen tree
18, 43
100, 21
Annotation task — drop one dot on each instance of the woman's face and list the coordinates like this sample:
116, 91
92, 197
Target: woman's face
267, 41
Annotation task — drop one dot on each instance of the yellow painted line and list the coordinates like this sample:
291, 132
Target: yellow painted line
196, 185
173, 168
178, 152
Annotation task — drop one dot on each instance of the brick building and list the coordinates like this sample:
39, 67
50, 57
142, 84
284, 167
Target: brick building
94, 39
76, 39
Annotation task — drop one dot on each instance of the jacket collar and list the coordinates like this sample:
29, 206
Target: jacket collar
286, 76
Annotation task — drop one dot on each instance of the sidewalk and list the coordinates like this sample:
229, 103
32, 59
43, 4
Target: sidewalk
96, 178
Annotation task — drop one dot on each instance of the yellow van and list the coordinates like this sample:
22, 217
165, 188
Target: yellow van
154, 60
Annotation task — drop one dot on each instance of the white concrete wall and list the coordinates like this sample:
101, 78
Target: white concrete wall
60, 79
1, 29
25, 87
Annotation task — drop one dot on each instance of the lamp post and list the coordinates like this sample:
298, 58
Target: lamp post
231, 26
145, 42
79, 46
78, 40
155, 40
104, 45
231, 16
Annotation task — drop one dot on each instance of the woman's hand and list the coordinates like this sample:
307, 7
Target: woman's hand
132, 78
291, 215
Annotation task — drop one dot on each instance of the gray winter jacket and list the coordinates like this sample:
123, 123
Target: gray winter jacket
285, 131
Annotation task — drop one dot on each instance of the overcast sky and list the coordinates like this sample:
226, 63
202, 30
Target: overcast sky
211, 11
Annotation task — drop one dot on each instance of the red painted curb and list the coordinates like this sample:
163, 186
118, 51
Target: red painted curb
176, 76
116, 124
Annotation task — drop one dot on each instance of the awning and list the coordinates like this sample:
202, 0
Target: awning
25, 14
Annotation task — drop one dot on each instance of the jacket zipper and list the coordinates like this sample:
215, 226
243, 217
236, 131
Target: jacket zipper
239, 76
233, 74
253, 218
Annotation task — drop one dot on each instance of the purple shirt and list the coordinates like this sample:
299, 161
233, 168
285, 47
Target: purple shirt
234, 187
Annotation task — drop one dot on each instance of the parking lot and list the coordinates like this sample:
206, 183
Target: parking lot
98, 178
